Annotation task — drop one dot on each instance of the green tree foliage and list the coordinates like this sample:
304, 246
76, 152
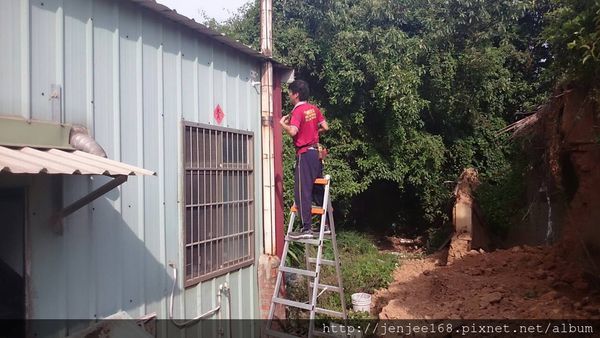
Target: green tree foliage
573, 34
416, 90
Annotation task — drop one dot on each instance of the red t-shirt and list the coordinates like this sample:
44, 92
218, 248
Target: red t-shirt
306, 118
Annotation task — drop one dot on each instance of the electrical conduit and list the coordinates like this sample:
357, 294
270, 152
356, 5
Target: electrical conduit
223, 288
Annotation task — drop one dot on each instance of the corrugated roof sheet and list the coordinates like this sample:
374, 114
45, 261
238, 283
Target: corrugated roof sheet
28, 160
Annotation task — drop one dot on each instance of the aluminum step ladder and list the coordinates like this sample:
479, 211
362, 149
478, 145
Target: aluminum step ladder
314, 284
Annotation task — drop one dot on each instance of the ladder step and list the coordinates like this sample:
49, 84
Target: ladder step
288, 302
303, 240
273, 333
323, 261
298, 271
321, 181
325, 236
329, 312
313, 210
328, 287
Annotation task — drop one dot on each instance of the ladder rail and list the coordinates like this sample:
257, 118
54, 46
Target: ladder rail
307, 261
326, 211
338, 269
286, 248
311, 289
315, 288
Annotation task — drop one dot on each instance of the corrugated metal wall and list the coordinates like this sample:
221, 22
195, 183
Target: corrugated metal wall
131, 77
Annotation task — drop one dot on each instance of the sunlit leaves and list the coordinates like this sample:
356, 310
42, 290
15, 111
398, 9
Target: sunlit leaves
573, 35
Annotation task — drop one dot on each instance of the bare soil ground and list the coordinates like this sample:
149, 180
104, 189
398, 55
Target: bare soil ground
519, 283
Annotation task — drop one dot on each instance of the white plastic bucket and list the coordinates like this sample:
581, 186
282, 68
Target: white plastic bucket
361, 302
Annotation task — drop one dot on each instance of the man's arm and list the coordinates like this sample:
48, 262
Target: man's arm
323, 126
285, 124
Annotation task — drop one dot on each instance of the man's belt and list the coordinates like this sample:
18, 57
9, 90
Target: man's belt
309, 146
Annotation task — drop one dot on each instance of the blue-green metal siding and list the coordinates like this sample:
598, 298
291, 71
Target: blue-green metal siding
130, 76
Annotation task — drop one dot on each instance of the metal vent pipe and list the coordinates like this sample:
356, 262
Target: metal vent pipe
80, 139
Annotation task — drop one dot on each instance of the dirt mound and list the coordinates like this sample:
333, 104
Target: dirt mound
519, 283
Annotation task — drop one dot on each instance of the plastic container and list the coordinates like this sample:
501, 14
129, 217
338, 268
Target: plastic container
361, 302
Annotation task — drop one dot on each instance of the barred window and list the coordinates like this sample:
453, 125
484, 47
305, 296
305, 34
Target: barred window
219, 201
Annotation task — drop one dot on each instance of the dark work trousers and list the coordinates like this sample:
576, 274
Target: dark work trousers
308, 168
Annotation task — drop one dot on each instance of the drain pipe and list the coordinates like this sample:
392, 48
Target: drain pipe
267, 154
228, 291
182, 324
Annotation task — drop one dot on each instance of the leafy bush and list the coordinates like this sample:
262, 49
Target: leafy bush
436, 237
502, 196
413, 90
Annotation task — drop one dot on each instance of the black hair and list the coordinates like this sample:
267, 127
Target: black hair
300, 87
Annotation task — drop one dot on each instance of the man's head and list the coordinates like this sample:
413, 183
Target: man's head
299, 91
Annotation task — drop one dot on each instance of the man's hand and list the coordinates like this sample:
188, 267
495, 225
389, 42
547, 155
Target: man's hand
323, 126
285, 124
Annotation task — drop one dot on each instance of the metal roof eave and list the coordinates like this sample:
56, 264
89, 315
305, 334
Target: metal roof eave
172, 15
29, 160
32, 161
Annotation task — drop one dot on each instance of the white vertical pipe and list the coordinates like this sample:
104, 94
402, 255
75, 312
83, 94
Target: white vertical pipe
266, 27
268, 165
140, 148
161, 157
60, 58
116, 119
116, 79
180, 165
89, 66
26, 59
196, 83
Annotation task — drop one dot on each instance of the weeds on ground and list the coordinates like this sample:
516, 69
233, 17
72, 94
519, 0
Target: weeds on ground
436, 237
363, 269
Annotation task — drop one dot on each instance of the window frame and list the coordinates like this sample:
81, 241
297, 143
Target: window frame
219, 167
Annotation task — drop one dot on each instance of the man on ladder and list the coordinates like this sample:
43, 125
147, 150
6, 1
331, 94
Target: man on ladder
304, 124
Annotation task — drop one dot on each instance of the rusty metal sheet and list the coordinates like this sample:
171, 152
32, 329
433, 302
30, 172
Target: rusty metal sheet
27, 160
